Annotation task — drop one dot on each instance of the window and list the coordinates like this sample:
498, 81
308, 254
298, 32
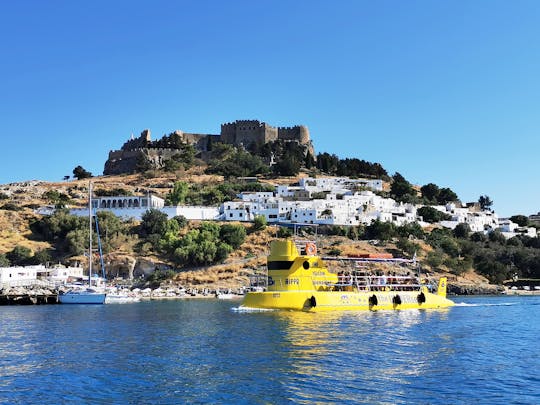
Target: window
230, 215
241, 215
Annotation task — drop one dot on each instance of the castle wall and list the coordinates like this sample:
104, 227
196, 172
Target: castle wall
299, 133
245, 132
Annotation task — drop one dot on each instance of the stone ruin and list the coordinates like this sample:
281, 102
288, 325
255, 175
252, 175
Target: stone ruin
243, 133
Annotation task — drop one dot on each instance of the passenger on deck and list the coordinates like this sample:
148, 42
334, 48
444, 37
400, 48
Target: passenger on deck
339, 286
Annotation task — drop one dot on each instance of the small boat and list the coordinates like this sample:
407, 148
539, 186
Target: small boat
88, 295
121, 296
298, 279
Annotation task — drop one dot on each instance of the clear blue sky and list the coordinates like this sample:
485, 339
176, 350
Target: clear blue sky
441, 91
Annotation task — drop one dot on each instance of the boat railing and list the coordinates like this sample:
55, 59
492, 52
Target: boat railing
378, 283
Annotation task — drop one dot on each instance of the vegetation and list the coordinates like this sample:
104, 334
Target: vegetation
432, 215
19, 256
60, 200
485, 202
333, 165
4, 261
235, 163
10, 207
259, 223
432, 194
521, 220
210, 194
80, 173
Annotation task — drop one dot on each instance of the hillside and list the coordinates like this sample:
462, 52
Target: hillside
126, 258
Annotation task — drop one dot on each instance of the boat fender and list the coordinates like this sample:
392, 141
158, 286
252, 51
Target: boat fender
313, 301
396, 300
421, 298
305, 265
373, 300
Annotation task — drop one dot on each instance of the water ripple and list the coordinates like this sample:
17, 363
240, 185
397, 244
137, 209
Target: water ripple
206, 352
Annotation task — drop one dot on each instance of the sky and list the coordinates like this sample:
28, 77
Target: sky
446, 92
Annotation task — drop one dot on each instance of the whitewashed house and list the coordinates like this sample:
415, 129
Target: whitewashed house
18, 275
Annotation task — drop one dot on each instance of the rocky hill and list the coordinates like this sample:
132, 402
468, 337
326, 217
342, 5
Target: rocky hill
22, 203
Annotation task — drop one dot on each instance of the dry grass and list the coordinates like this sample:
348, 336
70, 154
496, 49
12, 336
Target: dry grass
14, 231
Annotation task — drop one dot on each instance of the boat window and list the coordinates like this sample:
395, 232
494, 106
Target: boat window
280, 265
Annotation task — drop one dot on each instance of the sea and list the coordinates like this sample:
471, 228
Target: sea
204, 351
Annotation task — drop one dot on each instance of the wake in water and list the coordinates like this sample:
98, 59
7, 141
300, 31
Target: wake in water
242, 308
501, 304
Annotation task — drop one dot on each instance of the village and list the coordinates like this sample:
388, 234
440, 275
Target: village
339, 201
346, 202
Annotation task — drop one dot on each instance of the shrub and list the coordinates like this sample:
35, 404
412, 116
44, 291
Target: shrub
406, 246
233, 235
284, 232
259, 223
334, 252
431, 215
10, 207
19, 255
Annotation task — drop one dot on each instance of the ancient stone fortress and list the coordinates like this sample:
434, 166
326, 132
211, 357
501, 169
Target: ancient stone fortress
243, 133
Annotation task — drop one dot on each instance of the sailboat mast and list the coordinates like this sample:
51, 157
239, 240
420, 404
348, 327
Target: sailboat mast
90, 234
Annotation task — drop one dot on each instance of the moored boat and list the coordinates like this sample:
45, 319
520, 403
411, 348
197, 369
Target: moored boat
87, 295
84, 296
298, 279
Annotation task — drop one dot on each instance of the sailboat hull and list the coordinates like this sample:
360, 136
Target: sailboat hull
81, 298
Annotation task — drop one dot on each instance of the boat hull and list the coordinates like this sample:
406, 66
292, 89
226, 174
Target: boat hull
317, 301
82, 298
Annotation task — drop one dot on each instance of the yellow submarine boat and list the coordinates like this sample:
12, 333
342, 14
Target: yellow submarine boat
298, 279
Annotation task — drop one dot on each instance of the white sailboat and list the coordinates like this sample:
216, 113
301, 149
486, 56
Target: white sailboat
87, 295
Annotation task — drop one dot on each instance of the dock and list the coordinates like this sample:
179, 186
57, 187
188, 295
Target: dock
28, 299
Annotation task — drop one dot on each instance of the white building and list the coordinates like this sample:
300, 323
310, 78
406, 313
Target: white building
19, 275
510, 229
135, 207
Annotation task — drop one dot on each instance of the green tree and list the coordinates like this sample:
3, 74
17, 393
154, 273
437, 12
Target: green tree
430, 192
284, 232
80, 173
58, 199
287, 166
462, 230
20, 255
259, 223
233, 235
446, 195
432, 215
77, 241
4, 261
41, 257
178, 194
327, 163
485, 202
380, 230
406, 246
521, 220
409, 229
497, 237
434, 258
400, 187
239, 164
153, 227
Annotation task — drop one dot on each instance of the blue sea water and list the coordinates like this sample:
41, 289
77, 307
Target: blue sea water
484, 350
